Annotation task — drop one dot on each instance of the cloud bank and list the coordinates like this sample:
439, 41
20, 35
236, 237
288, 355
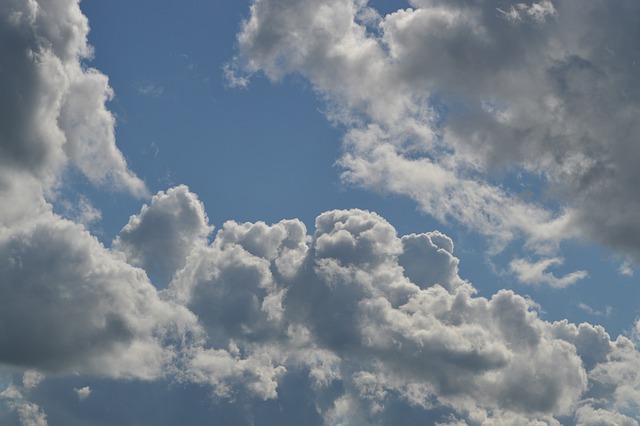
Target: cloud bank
366, 324
349, 325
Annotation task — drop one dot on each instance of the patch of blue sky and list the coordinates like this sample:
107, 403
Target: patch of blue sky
247, 157
385, 7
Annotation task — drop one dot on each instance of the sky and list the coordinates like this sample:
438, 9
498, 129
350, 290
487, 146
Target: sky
319, 212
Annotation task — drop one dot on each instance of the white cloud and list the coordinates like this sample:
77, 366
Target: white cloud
363, 321
31, 379
535, 273
149, 89
588, 416
588, 309
161, 237
361, 325
31, 415
388, 317
68, 304
446, 96
28, 413
83, 392
53, 110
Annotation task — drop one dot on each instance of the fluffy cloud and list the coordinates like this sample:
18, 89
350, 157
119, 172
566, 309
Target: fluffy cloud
161, 237
352, 325
367, 325
387, 318
440, 98
68, 304
21, 410
53, 110
391, 321
588, 416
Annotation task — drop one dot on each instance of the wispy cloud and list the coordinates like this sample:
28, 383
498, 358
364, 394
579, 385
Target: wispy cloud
149, 89
536, 273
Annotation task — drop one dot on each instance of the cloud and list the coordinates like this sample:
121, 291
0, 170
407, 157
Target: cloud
165, 232
351, 324
535, 273
387, 317
442, 99
28, 413
31, 379
588, 416
68, 304
149, 89
368, 325
83, 392
53, 110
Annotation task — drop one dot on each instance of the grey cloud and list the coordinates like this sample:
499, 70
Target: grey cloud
367, 324
53, 110
352, 325
231, 284
21, 411
588, 416
165, 232
428, 259
69, 304
444, 96
351, 315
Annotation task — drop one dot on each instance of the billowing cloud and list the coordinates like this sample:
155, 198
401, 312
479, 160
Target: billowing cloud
53, 111
391, 321
588, 416
68, 304
441, 98
386, 318
351, 324
161, 237
363, 320
366, 324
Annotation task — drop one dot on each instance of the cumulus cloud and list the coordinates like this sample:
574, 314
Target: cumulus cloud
441, 98
165, 232
69, 304
389, 319
588, 416
31, 379
363, 322
351, 324
53, 112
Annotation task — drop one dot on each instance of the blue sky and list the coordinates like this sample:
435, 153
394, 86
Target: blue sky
508, 127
